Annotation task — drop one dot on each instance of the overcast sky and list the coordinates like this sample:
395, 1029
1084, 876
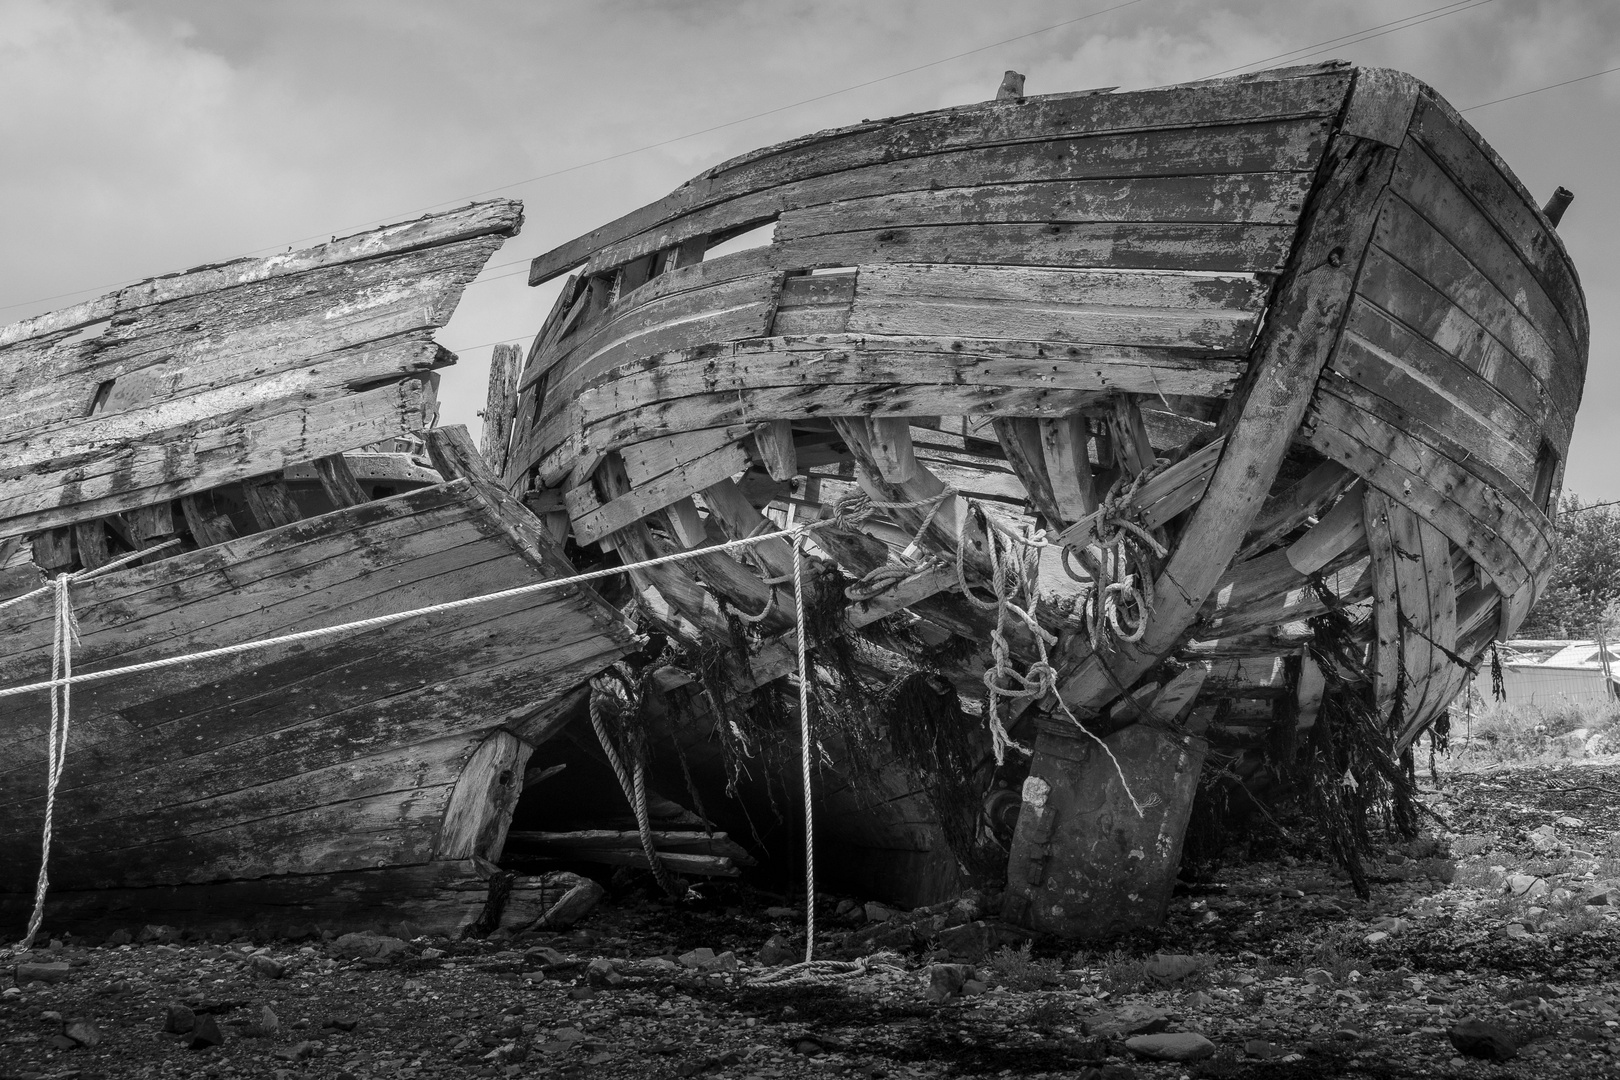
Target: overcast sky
143, 138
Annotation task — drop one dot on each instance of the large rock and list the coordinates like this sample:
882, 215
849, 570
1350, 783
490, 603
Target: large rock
1128, 1020
1171, 1046
368, 946
1475, 1038
45, 973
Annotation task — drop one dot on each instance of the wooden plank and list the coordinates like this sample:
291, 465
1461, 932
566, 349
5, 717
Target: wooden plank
1020, 439
1265, 413
53, 549
1472, 234
499, 404
945, 529
1068, 467
1287, 510
1268, 591
1308, 692
495, 217
646, 461
685, 523
1420, 276
1434, 406
594, 519
1207, 247
890, 442
1384, 654
1513, 212
235, 448
1381, 106
339, 482
440, 898
1133, 450
151, 524
270, 503
1219, 314
784, 379
1134, 134
479, 810
326, 332
662, 320
1161, 497
1499, 532
698, 843
207, 524
90, 541
737, 517
774, 441
1508, 399
1339, 530
1262, 198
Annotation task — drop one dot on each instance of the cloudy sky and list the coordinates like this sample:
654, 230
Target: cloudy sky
144, 137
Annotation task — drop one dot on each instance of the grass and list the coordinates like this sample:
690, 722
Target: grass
1019, 970
1530, 733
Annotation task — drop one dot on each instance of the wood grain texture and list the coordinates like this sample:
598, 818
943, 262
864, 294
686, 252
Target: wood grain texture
225, 373
301, 758
1262, 417
908, 141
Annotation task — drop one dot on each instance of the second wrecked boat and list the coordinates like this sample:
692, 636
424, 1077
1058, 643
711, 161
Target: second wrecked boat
203, 419
1282, 366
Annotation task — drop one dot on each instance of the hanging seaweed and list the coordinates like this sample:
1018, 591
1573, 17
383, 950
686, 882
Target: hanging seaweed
1350, 766
926, 726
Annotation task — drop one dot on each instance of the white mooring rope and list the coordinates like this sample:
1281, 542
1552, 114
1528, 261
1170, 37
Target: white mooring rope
65, 634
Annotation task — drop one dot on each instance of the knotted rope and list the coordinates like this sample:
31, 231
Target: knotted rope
611, 693
1117, 555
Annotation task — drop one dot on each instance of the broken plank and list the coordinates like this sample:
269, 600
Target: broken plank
1339, 530
339, 481
1287, 510
499, 405
594, 519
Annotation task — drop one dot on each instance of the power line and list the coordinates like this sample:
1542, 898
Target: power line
754, 116
1419, 22
1539, 89
1448, 9
628, 153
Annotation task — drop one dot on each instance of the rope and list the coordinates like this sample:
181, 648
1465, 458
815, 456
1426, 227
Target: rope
826, 972
1118, 565
381, 620
804, 751
611, 685
64, 635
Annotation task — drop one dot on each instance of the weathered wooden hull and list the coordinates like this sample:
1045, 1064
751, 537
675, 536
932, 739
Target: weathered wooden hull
204, 418
1312, 305
383, 748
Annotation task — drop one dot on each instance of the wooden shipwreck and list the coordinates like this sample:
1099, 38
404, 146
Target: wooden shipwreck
1282, 368
263, 428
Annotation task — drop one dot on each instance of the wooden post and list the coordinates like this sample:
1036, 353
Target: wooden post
1557, 205
1089, 866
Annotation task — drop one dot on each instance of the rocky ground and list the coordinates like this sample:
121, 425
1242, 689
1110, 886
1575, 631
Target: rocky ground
1499, 937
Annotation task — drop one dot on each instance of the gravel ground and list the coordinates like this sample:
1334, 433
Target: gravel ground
1277, 965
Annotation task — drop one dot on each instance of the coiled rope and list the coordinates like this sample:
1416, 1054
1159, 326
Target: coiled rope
1118, 565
